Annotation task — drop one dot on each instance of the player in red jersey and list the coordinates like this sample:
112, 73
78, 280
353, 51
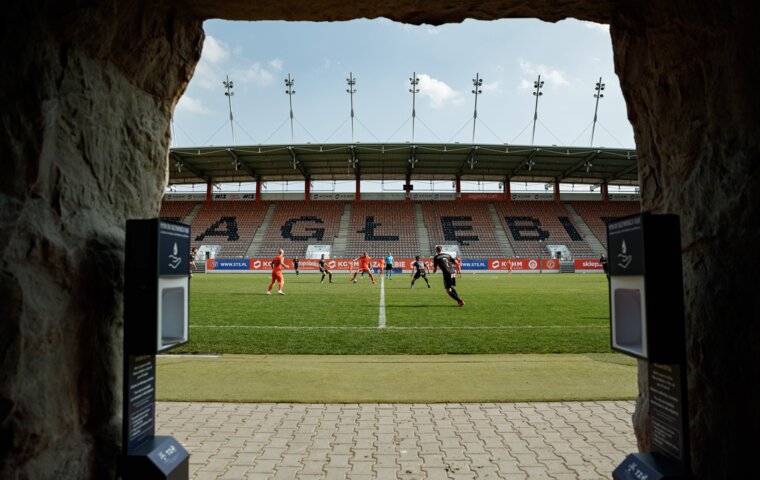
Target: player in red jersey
509, 265
364, 267
458, 265
278, 264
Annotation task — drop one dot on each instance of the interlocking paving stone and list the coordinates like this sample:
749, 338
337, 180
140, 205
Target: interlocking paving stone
555, 440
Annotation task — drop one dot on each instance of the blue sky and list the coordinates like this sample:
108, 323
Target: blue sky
382, 55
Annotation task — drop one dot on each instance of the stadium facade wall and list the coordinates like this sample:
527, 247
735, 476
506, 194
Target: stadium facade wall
493, 197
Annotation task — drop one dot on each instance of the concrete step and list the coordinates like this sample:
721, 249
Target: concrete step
423, 238
258, 237
585, 231
501, 236
339, 245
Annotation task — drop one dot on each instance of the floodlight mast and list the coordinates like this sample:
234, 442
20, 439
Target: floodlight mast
414, 81
538, 85
597, 95
477, 83
351, 90
289, 82
229, 93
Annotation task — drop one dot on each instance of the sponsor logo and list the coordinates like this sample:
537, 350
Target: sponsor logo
532, 264
256, 263
495, 264
551, 264
476, 264
214, 265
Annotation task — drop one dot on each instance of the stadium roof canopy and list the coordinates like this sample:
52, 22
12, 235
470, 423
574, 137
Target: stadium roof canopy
394, 161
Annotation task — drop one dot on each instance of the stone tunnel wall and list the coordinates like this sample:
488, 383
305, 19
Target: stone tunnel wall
688, 70
84, 139
86, 97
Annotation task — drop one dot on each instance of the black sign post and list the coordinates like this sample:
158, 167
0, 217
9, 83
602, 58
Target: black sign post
155, 320
647, 322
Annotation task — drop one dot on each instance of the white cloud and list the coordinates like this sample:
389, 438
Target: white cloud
554, 77
601, 27
492, 87
438, 92
276, 64
256, 74
191, 105
214, 51
432, 30
207, 73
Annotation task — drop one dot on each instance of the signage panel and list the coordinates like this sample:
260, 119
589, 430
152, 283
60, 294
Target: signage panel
483, 197
588, 265
174, 248
474, 264
333, 196
666, 397
140, 403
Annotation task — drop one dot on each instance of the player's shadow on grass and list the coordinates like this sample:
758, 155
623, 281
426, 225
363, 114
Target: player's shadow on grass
436, 305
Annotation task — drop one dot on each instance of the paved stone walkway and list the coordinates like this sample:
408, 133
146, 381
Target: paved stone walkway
562, 441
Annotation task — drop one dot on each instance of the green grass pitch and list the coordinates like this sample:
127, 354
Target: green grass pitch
526, 313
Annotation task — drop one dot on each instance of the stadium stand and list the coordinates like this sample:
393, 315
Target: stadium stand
231, 225
597, 214
467, 224
176, 211
295, 225
379, 227
527, 222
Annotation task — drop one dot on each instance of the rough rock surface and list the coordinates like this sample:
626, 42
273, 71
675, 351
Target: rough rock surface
688, 70
84, 137
86, 97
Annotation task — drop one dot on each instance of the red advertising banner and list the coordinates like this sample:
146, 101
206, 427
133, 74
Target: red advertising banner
586, 265
482, 197
523, 265
342, 265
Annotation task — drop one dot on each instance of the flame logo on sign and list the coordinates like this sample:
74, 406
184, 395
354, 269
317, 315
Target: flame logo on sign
174, 259
623, 259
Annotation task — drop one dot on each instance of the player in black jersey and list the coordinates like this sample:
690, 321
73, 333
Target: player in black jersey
445, 262
324, 270
418, 270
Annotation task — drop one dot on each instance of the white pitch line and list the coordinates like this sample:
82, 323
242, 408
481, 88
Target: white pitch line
381, 316
442, 327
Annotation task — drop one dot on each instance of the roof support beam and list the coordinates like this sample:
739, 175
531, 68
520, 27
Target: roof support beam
297, 164
577, 166
412, 160
353, 161
470, 160
528, 161
625, 171
195, 171
238, 164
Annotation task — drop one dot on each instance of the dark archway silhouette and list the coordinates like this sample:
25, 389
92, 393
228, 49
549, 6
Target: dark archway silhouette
87, 92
